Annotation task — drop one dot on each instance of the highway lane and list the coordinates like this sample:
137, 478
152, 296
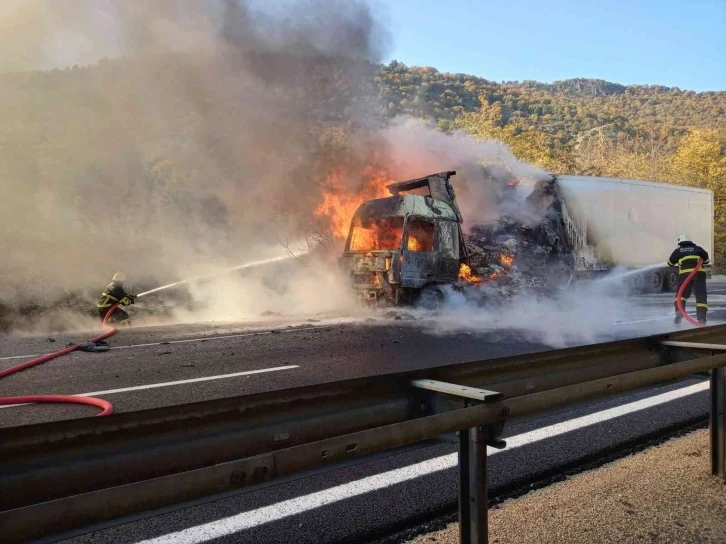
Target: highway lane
362, 502
365, 500
321, 354
151, 367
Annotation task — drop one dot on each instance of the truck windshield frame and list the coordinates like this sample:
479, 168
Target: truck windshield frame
376, 234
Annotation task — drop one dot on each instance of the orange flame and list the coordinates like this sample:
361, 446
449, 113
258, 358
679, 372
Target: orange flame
386, 233
466, 274
420, 236
414, 244
340, 201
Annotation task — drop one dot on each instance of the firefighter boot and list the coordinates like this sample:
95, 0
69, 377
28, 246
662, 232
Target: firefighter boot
677, 320
701, 314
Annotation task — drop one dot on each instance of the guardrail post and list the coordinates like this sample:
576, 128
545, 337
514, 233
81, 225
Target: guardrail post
478, 486
718, 422
473, 487
464, 505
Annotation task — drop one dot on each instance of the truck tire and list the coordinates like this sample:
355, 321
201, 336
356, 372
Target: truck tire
431, 298
671, 280
655, 282
637, 284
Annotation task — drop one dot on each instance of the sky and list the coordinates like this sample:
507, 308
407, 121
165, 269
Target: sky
665, 42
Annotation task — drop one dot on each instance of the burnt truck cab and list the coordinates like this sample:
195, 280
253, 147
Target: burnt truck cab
401, 244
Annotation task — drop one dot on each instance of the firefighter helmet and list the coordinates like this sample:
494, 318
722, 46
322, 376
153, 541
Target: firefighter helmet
119, 276
684, 238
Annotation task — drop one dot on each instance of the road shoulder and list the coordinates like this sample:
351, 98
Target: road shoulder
664, 494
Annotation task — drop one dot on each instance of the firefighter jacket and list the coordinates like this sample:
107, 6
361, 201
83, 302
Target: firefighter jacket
114, 293
686, 257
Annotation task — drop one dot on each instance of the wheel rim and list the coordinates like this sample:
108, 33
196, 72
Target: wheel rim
433, 298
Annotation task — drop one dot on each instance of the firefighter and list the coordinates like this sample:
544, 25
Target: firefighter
114, 293
686, 256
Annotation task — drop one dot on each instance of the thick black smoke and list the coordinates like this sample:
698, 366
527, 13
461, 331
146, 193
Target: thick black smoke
168, 134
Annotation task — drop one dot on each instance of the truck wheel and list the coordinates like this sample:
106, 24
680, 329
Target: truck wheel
656, 282
671, 280
431, 298
637, 283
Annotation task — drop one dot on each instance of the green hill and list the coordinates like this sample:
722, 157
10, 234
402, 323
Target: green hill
564, 109
191, 151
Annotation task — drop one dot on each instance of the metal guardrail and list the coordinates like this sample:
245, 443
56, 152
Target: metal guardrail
72, 474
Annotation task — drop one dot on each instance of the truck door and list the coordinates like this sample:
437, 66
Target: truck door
420, 261
446, 246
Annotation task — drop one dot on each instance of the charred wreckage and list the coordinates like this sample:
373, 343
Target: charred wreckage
405, 248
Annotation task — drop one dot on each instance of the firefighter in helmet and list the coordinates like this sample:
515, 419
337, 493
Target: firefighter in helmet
115, 293
686, 257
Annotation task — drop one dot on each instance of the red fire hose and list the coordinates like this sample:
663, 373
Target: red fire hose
106, 407
679, 303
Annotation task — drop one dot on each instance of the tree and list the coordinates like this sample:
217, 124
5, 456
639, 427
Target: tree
700, 160
526, 143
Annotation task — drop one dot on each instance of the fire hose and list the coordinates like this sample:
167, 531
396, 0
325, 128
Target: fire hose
679, 295
106, 407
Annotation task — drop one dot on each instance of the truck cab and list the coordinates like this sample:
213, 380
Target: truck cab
401, 244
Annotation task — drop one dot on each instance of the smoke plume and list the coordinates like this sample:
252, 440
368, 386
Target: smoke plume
167, 138
173, 138
415, 149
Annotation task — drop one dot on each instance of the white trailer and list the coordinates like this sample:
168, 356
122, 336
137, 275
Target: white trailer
634, 224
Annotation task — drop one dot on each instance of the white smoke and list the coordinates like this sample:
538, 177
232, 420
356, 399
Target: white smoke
577, 313
416, 148
177, 153
175, 161
585, 312
300, 290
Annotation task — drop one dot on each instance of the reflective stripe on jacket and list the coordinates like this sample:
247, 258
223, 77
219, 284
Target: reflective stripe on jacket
686, 257
113, 293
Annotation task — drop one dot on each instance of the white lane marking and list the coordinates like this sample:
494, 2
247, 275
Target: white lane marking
19, 357
276, 331
246, 520
670, 316
178, 382
191, 380
163, 343
225, 337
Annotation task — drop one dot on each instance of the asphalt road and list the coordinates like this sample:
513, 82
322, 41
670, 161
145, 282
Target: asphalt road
216, 360
365, 500
302, 355
368, 500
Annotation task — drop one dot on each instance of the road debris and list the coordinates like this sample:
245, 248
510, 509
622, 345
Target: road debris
524, 250
94, 347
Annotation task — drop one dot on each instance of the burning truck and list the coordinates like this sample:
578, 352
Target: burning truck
403, 248
400, 245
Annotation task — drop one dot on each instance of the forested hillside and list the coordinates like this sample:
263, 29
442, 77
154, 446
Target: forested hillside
163, 140
579, 126
564, 109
